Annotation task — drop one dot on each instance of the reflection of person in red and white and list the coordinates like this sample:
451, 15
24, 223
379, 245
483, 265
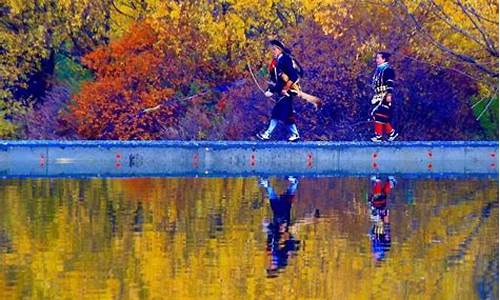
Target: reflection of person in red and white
380, 233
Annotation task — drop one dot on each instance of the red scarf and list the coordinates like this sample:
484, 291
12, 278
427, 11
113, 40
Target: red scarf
272, 65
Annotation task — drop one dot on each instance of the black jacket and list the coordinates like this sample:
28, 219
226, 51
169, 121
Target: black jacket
283, 65
383, 79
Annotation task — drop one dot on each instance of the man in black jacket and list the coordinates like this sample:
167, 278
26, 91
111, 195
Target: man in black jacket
383, 85
284, 76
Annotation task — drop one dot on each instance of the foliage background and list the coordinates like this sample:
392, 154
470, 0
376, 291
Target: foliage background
86, 69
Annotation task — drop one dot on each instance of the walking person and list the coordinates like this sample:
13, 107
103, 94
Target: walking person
284, 75
382, 101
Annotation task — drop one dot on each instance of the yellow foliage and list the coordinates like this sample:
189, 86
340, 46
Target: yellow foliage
154, 238
31, 31
465, 33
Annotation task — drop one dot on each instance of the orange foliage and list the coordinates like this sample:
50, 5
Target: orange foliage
140, 189
142, 69
128, 80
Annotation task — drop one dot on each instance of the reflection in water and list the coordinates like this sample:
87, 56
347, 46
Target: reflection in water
5, 242
138, 217
280, 242
111, 212
380, 233
201, 238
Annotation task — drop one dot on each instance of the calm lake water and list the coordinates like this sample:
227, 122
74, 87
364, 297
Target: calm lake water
249, 238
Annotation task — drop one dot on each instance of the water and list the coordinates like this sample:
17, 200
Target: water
223, 238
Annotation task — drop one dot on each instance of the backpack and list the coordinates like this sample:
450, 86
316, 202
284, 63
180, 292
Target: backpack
298, 68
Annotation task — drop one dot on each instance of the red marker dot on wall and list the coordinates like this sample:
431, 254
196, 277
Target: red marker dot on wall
309, 160
252, 159
196, 160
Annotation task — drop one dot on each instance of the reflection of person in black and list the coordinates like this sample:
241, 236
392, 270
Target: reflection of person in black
280, 242
380, 232
138, 218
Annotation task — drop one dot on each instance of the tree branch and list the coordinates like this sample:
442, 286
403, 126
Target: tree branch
487, 105
441, 14
463, 57
491, 48
120, 11
480, 17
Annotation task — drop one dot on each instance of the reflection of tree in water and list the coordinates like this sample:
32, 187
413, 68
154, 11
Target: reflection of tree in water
176, 250
380, 232
215, 224
111, 213
280, 242
5, 242
139, 218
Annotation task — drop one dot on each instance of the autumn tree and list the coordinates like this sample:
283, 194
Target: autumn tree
465, 32
195, 56
45, 122
129, 78
32, 34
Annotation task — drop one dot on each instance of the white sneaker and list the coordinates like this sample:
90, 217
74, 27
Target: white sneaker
292, 179
264, 136
393, 136
376, 139
264, 182
294, 138
392, 180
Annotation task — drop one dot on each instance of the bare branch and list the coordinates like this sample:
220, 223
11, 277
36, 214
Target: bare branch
466, 58
282, 17
120, 11
480, 17
447, 68
488, 41
487, 106
9, 25
441, 14
480, 100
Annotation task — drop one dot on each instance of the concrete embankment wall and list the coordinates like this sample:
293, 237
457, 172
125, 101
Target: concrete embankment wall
241, 158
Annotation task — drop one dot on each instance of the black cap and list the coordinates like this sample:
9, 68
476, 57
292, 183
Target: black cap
385, 55
280, 45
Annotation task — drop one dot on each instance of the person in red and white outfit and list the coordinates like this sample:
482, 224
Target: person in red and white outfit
382, 101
